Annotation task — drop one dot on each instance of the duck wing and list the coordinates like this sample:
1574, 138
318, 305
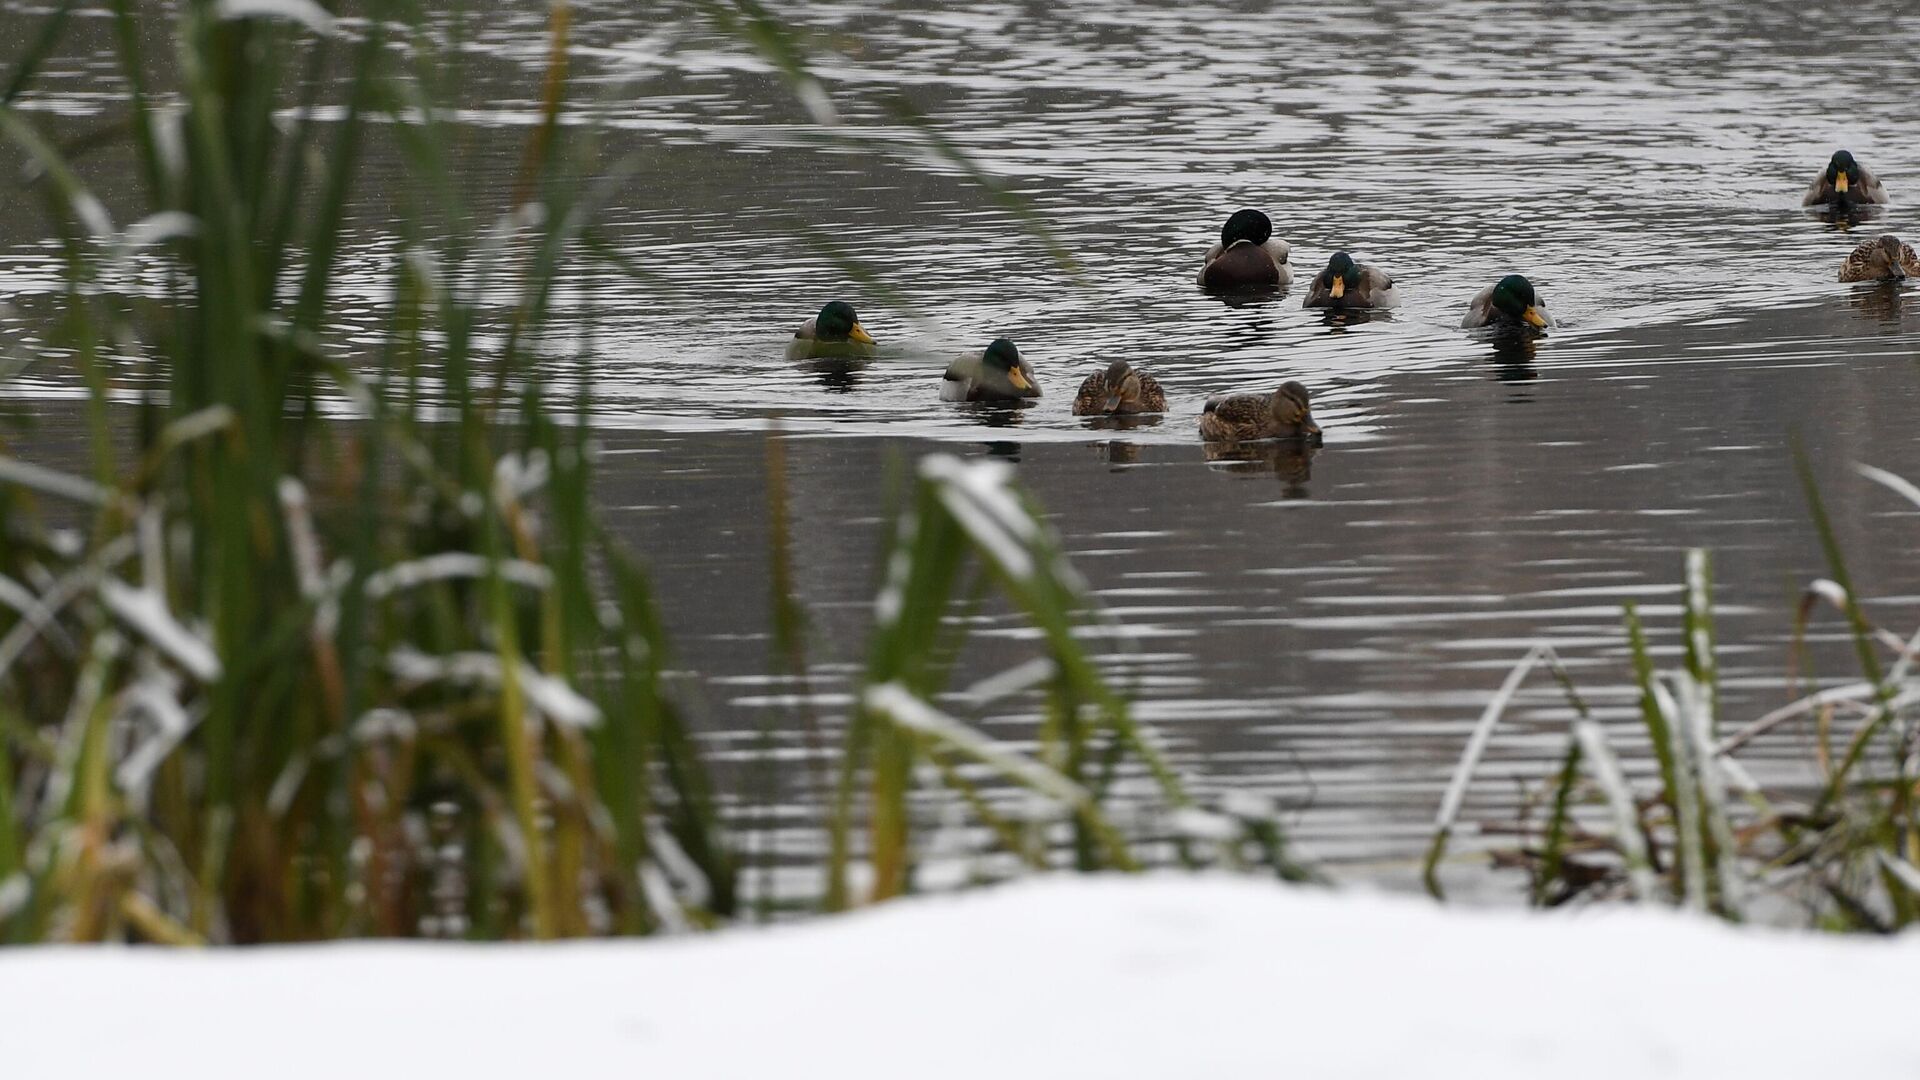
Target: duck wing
1377, 288
1238, 415
1859, 264
1818, 192
1092, 396
1479, 309
961, 378
1152, 398
1871, 190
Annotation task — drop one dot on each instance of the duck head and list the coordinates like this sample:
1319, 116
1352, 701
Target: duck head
1249, 225
1513, 295
1002, 356
1341, 274
837, 322
1842, 171
1887, 253
1123, 386
1291, 409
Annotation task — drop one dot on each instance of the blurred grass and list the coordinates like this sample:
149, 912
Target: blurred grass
268, 676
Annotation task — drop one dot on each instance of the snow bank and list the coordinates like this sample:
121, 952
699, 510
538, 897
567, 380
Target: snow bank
1160, 978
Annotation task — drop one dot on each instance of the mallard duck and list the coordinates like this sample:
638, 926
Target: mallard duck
1283, 414
1348, 284
1248, 255
835, 333
1885, 259
1508, 302
1844, 182
1119, 389
997, 373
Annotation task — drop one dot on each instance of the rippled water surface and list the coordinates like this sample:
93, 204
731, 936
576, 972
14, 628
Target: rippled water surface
1323, 629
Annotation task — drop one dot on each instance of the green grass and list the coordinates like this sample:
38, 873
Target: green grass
266, 676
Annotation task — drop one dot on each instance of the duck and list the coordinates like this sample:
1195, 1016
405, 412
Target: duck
1248, 256
1882, 259
1119, 389
835, 333
1844, 182
1509, 302
996, 373
1283, 414
1349, 284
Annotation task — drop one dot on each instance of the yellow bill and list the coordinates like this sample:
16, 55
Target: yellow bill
1534, 318
1339, 287
1018, 380
859, 334
1840, 183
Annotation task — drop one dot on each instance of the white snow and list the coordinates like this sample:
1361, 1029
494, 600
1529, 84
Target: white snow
1058, 978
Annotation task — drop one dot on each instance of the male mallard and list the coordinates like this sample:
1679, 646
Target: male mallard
1885, 259
998, 373
1282, 414
835, 333
1248, 255
1119, 389
1348, 284
1844, 182
1509, 302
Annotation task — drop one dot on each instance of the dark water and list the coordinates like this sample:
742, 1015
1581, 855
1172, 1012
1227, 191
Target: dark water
1324, 631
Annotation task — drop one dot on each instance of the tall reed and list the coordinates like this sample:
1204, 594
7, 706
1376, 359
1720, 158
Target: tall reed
271, 676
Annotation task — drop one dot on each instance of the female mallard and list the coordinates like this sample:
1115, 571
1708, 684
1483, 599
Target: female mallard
1282, 414
1119, 389
835, 333
1509, 302
1844, 182
1248, 256
1348, 284
1885, 259
998, 373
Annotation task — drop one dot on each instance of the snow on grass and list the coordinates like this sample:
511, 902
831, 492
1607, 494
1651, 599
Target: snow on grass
1062, 977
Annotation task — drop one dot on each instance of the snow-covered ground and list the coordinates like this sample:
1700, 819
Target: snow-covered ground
1155, 978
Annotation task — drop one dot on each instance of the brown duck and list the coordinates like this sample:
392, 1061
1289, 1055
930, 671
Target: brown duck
1119, 389
1283, 414
1882, 259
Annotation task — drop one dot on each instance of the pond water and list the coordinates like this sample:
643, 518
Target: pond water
1324, 630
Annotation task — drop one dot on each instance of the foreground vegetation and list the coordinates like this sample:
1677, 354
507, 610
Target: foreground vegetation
1840, 852
267, 675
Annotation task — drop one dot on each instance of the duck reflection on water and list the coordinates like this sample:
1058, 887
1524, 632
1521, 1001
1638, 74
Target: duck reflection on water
836, 376
996, 414
1882, 302
1289, 460
1512, 354
1337, 320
